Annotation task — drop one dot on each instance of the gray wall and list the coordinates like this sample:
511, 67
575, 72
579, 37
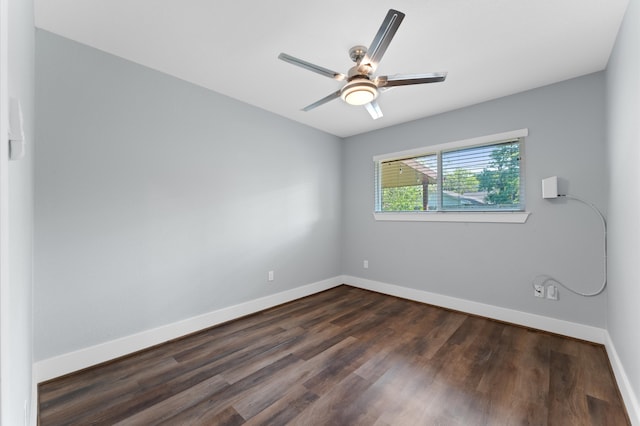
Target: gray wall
157, 200
495, 263
17, 346
623, 108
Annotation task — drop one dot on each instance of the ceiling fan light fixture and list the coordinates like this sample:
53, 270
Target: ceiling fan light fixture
359, 92
362, 85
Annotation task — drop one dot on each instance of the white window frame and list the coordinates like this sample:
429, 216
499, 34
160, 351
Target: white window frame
452, 216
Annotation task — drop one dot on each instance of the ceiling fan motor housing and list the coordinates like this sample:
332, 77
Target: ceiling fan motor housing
356, 53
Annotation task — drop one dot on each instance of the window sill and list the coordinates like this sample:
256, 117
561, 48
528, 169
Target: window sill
478, 217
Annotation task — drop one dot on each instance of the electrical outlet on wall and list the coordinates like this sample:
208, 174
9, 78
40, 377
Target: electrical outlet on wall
538, 290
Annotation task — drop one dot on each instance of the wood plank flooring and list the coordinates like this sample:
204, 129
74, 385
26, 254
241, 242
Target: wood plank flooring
347, 357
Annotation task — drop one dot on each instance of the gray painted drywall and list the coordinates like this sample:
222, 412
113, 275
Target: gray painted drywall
494, 263
17, 345
157, 200
623, 113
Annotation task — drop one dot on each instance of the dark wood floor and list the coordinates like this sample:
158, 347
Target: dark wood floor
347, 357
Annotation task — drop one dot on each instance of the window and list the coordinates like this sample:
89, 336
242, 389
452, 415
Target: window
478, 175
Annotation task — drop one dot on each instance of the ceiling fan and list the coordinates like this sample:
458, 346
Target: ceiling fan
362, 88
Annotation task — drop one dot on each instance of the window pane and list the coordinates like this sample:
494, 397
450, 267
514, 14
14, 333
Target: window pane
475, 178
409, 184
482, 178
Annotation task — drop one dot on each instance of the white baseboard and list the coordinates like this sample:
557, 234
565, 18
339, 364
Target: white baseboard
628, 395
565, 328
73, 361
67, 363
33, 413
50, 368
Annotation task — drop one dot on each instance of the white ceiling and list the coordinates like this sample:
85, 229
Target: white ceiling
490, 48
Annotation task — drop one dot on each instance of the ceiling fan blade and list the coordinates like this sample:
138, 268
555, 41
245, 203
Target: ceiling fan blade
312, 67
324, 100
382, 39
407, 79
374, 110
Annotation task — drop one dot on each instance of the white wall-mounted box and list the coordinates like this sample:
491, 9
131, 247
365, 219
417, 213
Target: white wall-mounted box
550, 187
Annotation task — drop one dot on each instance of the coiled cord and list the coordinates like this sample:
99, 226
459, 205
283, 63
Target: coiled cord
547, 279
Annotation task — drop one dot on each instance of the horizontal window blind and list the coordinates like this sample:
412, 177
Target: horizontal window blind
482, 178
478, 178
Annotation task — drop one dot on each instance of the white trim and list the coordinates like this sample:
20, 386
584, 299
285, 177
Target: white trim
67, 363
480, 217
4, 212
565, 328
480, 140
33, 413
628, 395
553, 325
